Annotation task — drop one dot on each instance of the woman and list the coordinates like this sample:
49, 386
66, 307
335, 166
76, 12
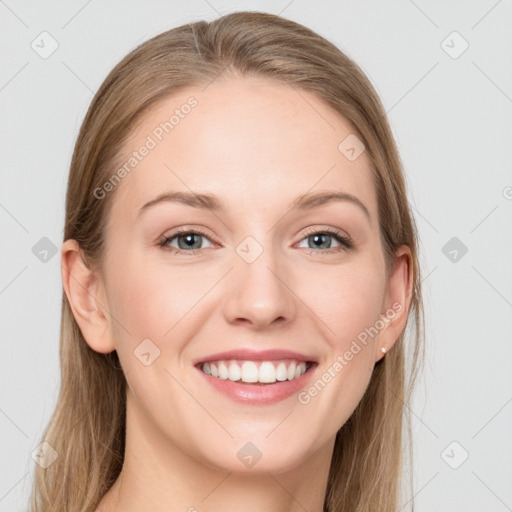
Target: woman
239, 267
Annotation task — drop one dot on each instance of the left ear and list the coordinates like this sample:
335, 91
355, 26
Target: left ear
397, 300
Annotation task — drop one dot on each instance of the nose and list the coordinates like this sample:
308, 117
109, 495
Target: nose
259, 293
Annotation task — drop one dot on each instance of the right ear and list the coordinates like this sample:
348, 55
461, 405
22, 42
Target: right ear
85, 291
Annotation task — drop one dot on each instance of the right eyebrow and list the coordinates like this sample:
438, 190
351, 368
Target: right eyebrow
195, 199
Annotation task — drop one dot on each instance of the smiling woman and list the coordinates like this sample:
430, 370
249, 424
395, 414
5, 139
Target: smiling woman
235, 307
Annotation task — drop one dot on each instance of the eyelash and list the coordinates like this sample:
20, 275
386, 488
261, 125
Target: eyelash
345, 241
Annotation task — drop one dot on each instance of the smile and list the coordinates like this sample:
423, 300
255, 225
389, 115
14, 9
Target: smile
264, 372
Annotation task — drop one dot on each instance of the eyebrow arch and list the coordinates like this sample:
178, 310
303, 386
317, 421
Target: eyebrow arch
316, 199
195, 199
212, 202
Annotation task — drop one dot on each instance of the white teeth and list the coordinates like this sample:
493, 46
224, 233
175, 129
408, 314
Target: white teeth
267, 372
223, 371
234, 372
248, 371
281, 372
291, 371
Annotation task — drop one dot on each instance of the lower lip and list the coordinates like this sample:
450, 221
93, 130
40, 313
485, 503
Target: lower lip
262, 394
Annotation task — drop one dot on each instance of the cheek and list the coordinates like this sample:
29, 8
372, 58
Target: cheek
349, 303
347, 300
151, 300
148, 298
153, 310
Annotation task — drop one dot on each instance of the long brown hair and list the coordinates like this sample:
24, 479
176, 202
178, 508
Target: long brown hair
87, 429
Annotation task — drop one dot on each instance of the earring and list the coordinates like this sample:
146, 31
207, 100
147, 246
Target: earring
383, 349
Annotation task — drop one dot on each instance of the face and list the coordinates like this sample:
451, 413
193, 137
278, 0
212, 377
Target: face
261, 267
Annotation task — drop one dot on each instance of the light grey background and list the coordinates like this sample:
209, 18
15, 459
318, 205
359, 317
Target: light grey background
452, 118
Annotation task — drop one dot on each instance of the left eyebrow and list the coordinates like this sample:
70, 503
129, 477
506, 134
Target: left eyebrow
316, 199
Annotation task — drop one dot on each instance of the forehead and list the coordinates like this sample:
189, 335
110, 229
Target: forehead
248, 140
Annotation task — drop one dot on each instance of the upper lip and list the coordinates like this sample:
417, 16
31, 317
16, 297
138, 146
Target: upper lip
255, 355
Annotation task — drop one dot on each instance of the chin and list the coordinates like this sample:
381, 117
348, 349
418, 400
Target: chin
258, 457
